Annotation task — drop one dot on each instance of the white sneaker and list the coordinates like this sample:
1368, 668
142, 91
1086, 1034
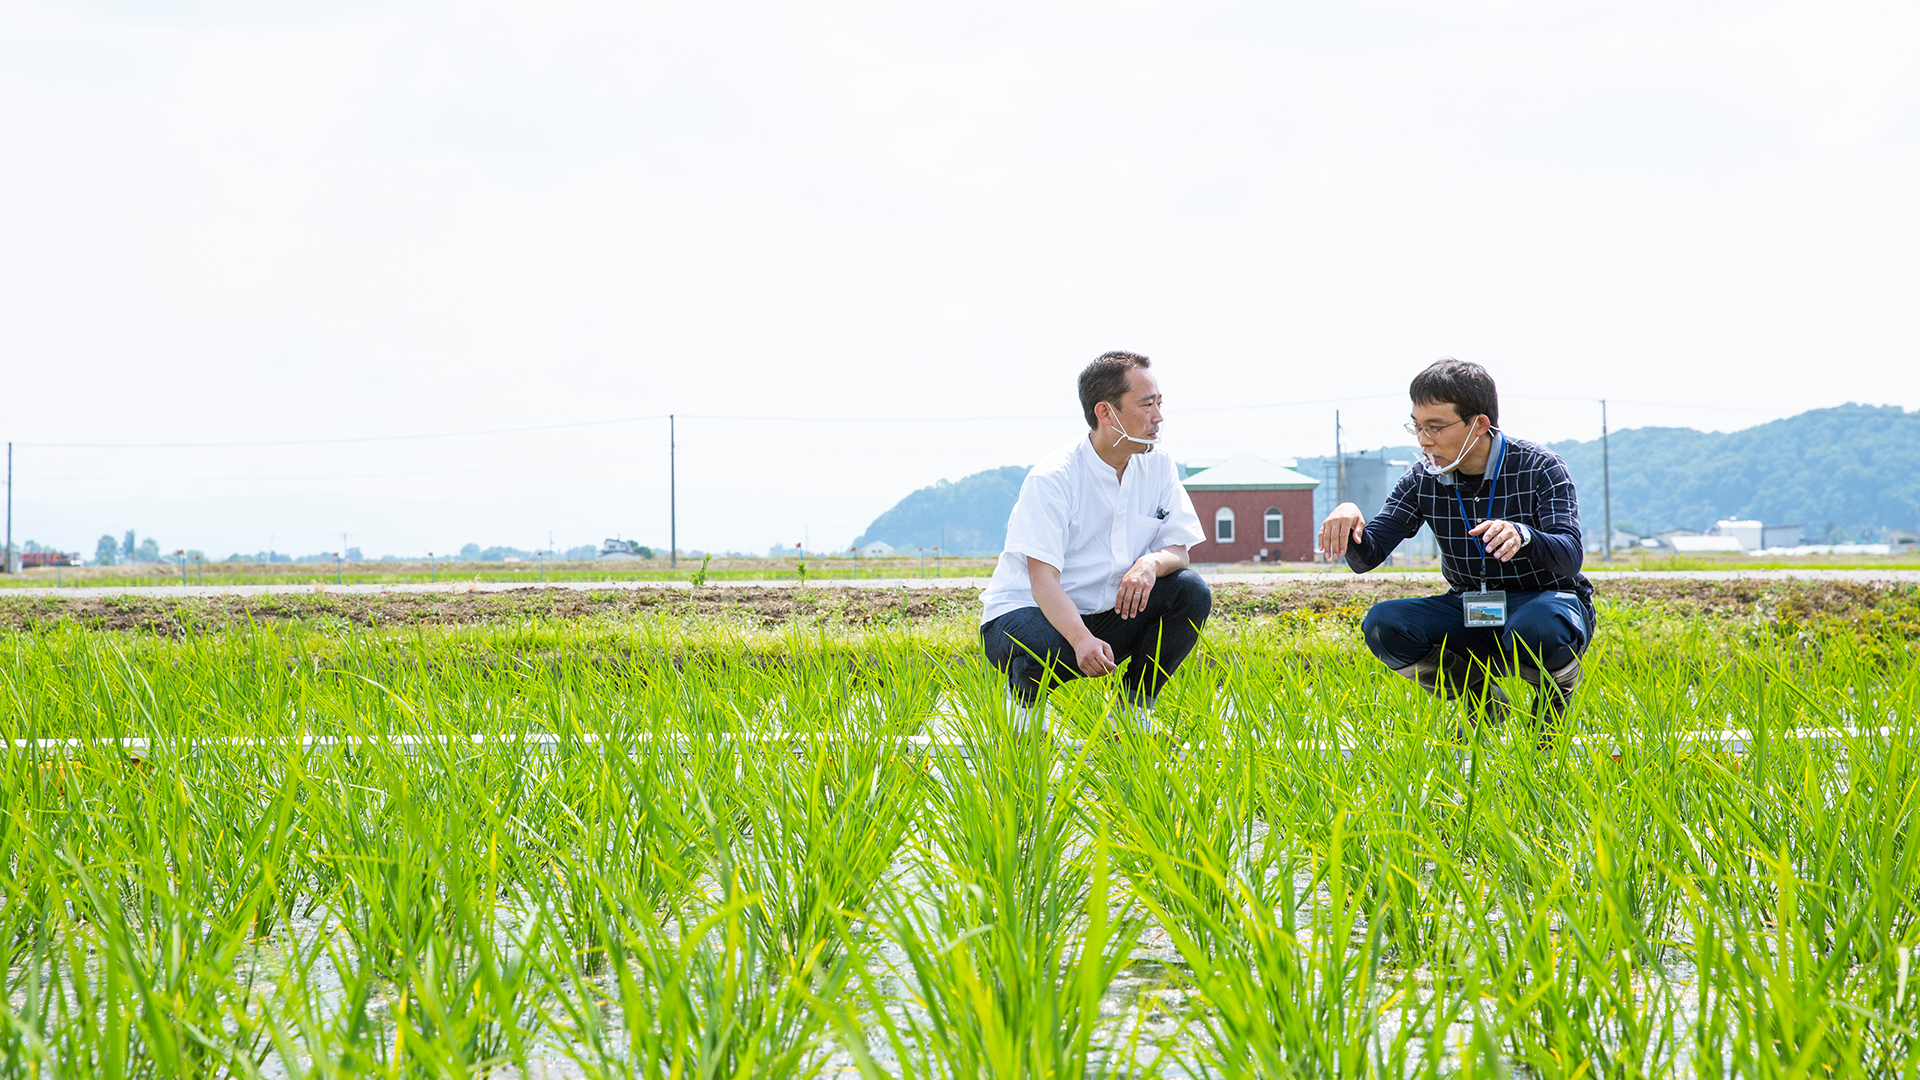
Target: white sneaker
1139, 716
1024, 718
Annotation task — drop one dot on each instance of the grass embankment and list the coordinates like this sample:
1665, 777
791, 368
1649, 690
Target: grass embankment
1333, 881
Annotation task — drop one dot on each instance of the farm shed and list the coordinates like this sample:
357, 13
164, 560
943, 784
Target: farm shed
1254, 510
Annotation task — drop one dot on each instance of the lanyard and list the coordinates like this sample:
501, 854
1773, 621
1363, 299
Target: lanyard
1497, 462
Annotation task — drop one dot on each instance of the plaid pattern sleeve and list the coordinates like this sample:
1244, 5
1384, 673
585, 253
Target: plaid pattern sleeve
1557, 542
1533, 489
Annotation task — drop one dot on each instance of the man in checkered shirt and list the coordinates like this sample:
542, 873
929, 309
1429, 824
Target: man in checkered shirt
1506, 518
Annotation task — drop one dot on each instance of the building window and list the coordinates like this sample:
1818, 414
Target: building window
1223, 525
1276, 526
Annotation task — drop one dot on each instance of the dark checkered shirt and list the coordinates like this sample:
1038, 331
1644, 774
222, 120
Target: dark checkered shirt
1534, 491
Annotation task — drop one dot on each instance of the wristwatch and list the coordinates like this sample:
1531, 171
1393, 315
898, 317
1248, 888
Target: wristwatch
1526, 534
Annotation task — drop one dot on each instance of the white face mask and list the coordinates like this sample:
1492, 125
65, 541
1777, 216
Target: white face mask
1442, 470
1122, 434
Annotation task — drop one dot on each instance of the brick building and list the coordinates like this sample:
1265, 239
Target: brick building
1254, 510
31, 559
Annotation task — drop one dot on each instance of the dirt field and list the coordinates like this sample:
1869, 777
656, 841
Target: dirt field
1338, 598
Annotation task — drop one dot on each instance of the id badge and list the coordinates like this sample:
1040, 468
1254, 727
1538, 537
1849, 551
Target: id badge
1485, 608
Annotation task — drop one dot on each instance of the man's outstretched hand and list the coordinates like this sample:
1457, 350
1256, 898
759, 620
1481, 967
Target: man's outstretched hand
1094, 657
1345, 525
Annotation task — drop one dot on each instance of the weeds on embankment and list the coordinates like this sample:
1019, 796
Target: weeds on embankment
661, 847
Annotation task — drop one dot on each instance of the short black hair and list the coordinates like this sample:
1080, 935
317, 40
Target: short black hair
1467, 387
1106, 380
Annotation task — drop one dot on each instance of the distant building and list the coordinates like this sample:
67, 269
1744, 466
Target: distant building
1695, 544
617, 549
30, 559
876, 549
1624, 539
1754, 536
1748, 533
1783, 536
1253, 510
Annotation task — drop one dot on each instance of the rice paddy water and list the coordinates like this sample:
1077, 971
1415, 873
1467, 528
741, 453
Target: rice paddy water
666, 847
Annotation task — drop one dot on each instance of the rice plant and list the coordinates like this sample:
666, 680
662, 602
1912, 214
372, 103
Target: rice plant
666, 848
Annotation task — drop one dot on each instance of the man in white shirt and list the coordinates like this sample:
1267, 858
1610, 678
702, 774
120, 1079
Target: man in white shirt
1094, 575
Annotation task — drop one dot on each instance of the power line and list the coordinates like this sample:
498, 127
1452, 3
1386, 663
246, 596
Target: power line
756, 418
537, 427
337, 441
1643, 404
276, 479
949, 418
1290, 404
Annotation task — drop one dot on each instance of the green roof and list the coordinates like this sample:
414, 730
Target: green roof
1244, 472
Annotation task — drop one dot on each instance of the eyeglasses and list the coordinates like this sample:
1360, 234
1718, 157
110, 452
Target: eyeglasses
1432, 431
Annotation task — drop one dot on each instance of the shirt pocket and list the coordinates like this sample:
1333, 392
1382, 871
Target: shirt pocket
1140, 535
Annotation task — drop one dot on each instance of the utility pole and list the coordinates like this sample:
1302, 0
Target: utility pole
1606, 478
673, 500
1340, 461
6, 560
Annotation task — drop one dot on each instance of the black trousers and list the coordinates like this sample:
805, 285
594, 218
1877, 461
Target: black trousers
1025, 645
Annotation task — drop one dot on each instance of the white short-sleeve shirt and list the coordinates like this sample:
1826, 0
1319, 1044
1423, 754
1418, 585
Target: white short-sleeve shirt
1073, 513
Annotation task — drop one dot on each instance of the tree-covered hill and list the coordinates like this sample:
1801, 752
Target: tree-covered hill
973, 511
1846, 473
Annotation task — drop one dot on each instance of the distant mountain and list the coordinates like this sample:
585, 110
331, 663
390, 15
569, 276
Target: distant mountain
973, 511
1846, 473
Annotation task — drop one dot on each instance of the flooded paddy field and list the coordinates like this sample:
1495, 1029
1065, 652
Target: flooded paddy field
794, 833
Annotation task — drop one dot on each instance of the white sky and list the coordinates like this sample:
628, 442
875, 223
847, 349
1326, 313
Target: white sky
270, 221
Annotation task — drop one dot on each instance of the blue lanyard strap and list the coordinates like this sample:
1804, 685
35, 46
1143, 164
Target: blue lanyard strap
1499, 460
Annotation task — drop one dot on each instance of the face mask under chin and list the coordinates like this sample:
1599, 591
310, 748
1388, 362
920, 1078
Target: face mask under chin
1445, 472
1122, 434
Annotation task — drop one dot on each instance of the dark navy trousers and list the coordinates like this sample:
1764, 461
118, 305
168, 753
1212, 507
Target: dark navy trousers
1025, 645
1544, 629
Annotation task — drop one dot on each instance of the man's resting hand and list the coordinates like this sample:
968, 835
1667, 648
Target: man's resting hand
1094, 657
1502, 539
1135, 587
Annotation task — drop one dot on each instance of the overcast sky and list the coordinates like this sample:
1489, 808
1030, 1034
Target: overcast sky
257, 221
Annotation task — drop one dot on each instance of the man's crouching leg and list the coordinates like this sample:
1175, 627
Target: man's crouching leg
1547, 634
1025, 645
1169, 628
1411, 637
1551, 693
